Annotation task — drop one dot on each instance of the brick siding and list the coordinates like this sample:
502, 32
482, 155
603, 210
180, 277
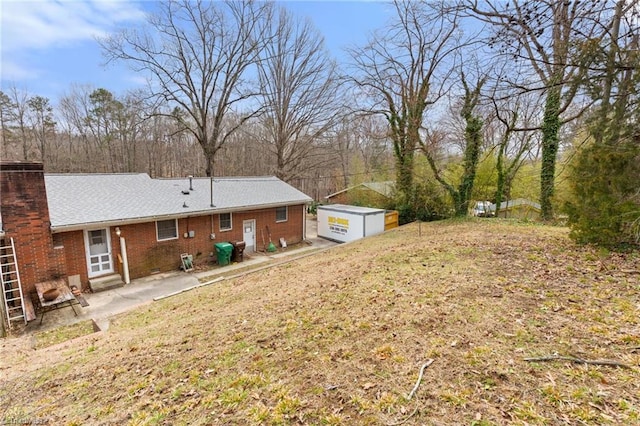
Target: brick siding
25, 218
146, 255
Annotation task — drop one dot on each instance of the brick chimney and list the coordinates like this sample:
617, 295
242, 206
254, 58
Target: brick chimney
25, 218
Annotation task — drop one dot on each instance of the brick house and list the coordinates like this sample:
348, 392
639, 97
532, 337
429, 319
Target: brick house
131, 226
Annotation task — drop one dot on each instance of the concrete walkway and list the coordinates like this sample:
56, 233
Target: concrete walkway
106, 304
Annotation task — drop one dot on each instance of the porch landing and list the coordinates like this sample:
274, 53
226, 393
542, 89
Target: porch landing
107, 282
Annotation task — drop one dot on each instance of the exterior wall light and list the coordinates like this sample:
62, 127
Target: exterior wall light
118, 231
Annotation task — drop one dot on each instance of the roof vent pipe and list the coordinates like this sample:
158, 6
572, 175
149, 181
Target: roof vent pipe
211, 182
190, 182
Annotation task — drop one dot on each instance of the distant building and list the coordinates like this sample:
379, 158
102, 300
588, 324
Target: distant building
519, 208
368, 194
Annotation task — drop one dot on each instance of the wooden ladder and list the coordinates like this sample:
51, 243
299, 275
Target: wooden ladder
10, 281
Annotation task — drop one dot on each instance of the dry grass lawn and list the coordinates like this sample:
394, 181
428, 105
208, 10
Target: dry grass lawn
340, 337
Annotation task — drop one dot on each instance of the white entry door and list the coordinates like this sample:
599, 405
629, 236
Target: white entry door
249, 235
99, 260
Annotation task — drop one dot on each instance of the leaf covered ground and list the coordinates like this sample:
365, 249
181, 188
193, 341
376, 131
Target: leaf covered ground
339, 338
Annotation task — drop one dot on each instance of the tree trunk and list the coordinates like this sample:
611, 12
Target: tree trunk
473, 136
210, 164
500, 184
550, 129
404, 175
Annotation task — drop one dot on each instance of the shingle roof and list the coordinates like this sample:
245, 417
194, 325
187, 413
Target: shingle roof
78, 200
385, 188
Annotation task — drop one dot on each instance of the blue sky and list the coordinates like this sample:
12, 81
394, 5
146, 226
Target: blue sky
46, 45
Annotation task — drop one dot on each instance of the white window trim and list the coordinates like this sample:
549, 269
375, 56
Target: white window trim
286, 214
230, 222
175, 221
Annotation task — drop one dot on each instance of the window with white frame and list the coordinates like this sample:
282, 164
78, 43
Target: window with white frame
281, 214
225, 221
167, 229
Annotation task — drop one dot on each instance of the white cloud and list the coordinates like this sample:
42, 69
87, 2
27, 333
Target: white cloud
137, 80
43, 24
13, 71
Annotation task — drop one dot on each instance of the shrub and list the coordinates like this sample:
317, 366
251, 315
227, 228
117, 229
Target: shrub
605, 199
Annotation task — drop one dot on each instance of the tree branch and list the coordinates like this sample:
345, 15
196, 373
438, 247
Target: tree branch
579, 361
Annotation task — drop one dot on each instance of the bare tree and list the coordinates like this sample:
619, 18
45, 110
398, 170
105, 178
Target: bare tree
6, 108
18, 116
372, 143
402, 72
102, 123
547, 34
512, 144
604, 202
472, 147
197, 55
74, 108
131, 133
362, 148
40, 116
246, 153
171, 149
131, 112
613, 80
300, 85
343, 140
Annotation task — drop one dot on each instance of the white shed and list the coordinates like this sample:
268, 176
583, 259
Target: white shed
344, 223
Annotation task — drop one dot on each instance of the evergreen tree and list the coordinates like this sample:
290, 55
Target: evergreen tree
606, 196
605, 174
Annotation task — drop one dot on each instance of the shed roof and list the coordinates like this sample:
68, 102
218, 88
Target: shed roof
384, 188
77, 201
518, 202
345, 208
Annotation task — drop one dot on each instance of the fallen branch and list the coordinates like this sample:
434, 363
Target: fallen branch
415, 388
579, 360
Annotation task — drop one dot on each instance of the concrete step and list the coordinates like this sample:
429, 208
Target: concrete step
106, 283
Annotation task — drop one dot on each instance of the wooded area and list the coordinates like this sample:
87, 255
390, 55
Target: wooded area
455, 101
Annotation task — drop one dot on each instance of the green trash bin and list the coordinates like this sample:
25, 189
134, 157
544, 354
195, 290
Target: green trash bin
223, 251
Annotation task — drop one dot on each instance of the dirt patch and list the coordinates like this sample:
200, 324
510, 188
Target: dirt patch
339, 338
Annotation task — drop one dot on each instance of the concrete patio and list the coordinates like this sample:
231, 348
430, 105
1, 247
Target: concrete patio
105, 304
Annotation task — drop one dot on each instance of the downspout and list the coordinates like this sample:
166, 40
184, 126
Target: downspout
364, 226
125, 260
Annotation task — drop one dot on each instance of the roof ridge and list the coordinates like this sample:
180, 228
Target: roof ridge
218, 178
98, 174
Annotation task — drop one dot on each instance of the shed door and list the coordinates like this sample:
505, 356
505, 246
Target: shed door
98, 252
249, 235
